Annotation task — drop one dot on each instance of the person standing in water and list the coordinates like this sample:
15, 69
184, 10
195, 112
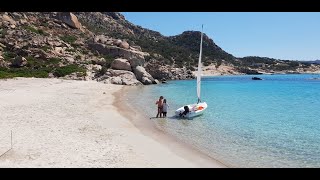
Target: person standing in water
160, 106
165, 108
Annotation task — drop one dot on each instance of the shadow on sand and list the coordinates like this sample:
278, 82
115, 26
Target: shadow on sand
177, 118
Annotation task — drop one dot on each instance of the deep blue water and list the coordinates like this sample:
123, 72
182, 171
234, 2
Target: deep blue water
270, 123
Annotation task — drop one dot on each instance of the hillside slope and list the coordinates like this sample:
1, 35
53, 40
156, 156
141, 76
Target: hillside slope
104, 46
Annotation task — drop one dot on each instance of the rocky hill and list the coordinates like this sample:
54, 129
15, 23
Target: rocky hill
182, 51
59, 45
104, 46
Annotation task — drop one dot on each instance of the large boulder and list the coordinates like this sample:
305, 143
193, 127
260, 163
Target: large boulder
117, 42
135, 59
116, 80
19, 61
124, 45
143, 76
70, 19
120, 77
147, 81
101, 39
121, 64
8, 19
59, 50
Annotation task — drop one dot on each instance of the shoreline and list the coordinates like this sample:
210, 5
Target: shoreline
217, 74
147, 128
224, 70
68, 123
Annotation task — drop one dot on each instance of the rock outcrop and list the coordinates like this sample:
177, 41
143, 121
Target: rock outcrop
167, 72
124, 45
135, 58
7, 19
70, 19
120, 77
121, 64
159, 72
143, 76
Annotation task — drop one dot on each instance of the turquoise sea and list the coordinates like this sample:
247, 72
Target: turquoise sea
270, 123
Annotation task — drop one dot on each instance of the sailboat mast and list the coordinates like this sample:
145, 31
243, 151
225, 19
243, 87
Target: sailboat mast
199, 68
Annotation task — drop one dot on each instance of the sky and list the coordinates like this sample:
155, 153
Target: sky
280, 35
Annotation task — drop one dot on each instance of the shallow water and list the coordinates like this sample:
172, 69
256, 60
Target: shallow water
270, 123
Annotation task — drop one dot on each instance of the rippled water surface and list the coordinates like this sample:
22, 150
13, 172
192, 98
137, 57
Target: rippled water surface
270, 123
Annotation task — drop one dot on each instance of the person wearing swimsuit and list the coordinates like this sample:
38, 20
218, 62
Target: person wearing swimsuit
160, 106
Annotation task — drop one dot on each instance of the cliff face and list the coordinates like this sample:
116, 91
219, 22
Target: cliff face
104, 46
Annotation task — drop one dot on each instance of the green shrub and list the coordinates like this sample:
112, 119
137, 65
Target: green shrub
83, 35
45, 24
85, 51
34, 30
219, 62
5, 75
40, 63
75, 45
32, 62
54, 61
66, 70
22, 72
108, 60
68, 39
3, 33
31, 29
71, 50
7, 55
45, 48
191, 68
40, 31
206, 63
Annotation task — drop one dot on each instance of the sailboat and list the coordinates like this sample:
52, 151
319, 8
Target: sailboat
196, 109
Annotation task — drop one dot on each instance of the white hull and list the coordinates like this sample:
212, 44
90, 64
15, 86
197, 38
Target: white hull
195, 110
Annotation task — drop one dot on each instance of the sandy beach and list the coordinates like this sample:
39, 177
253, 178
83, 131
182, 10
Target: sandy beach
65, 123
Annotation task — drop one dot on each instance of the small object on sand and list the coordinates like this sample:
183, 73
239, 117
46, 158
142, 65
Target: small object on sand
104, 92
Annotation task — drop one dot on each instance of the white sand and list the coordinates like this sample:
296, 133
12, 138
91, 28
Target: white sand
61, 123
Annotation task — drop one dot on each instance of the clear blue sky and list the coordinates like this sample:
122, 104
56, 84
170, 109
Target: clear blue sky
282, 35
